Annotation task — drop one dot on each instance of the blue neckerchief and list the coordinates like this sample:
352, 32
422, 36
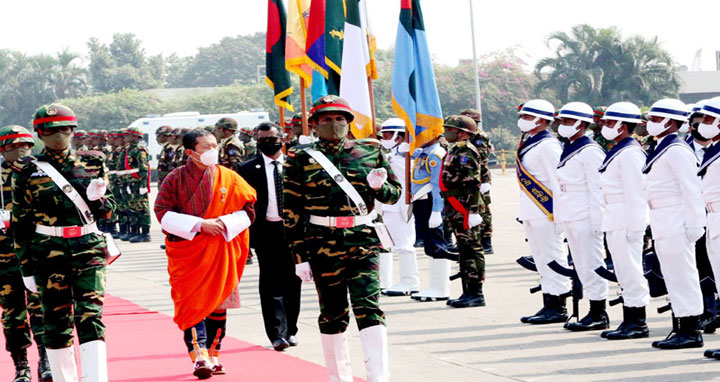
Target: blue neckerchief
615, 151
661, 148
689, 139
711, 155
573, 148
532, 142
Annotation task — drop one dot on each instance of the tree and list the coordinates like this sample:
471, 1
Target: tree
112, 111
598, 67
123, 65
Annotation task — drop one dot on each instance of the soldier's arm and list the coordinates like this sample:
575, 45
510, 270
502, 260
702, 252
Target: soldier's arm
21, 221
435, 164
103, 207
143, 166
234, 154
485, 176
469, 172
294, 206
391, 190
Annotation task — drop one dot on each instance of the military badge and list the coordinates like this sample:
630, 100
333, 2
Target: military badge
231, 152
463, 160
311, 160
433, 163
16, 129
67, 188
51, 111
339, 178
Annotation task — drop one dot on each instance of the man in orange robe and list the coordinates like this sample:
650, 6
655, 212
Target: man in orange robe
205, 210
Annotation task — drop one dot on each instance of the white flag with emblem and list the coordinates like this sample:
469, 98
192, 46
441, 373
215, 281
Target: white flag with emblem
354, 74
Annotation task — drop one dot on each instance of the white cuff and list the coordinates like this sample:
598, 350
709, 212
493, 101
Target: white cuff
235, 223
180, 224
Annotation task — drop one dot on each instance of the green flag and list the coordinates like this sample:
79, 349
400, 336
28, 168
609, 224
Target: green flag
334, 37
275, 73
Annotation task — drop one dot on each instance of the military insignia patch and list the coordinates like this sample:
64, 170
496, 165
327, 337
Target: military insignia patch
433, 163
291, 154
328, 99
67, 188
231, 152
463, 160
16, 129
311, 160
339, 178
51, 111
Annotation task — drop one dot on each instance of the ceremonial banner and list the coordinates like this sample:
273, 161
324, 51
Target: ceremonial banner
354, 79
334, 38
535, 190
275, 73
315, 48
371, 40
414, 93
296, 60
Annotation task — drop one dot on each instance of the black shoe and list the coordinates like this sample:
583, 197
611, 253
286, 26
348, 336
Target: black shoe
633, 325
710, 324
292, 341
486, 242
553, 311
686, 336
111, 228
44, 372
123, 232
474, 297
22, 369
452, 300
131, 232
249, 260
396, 293
419, 244
280, 344
710, 353
143, 236
162, 246
596, 319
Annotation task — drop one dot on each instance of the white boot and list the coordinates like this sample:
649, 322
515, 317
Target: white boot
337, 357
409, 276
375, 348
62, 364
94, 361
439, 288
386, 270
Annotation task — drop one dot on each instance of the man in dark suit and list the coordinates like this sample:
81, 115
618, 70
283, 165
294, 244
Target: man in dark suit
279, 287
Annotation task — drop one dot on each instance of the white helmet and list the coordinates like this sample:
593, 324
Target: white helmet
577, 110
539, 108
393, 124
669, 108
623, 112
698, 106
711, 107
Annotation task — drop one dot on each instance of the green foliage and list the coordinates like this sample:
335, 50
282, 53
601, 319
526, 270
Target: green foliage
230, 99
123, 65
112, 111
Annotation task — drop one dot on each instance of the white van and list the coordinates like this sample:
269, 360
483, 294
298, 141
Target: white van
191, 119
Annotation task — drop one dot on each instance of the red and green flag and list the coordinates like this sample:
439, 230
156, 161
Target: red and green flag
276, 74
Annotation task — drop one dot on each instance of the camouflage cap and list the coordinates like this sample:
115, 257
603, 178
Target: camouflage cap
472, 113
176, 132
164, 130
104, 133
296, 119
136, 131
53, 115
248, 131
227, 123
461, 122
80, 134
15, 134
94, 133
332, 103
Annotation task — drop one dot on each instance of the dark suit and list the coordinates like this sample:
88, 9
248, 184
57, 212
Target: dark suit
279, 287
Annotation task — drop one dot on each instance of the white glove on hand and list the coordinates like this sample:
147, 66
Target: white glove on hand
304, 140
435, 219
30, 285
129, 191
634, 235
96, 189
143, 190
474, 220
376, 178
694, 234
484, 188
404, 148
303, 272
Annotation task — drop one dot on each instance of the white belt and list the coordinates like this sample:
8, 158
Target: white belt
713, 206
574, 188
127, 172
614, 198
343, 221
67, 232
665, 202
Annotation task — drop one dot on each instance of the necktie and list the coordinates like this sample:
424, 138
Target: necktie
278, 185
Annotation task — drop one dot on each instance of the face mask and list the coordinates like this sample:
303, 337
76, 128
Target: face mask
58, 141
388, 143
696, 134
524, 125
566, 131
657, 128
609, 133
18, 153
684, 128
709, 131
451, 136
209, 158
333, 131
269, 148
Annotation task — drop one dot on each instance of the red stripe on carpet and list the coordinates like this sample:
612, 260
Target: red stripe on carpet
146, 346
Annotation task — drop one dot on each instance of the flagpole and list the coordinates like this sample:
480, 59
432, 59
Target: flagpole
372, 104
305, 128
478, 103
282, 118
407, 168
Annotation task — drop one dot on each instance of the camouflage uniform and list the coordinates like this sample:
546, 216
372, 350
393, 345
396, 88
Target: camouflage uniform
137, 158
248, 143
461, 190
180, 155
70, 272
167, 153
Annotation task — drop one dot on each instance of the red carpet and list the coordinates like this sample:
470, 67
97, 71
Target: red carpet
145, 346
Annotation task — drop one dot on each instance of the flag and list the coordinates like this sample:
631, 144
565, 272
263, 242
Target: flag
354, 79
296, 60
414, 93
334, 37
315, 48
319, 86
371, 40
275, 73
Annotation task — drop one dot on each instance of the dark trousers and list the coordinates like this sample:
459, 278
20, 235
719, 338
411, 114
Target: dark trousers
433, 238
279, 287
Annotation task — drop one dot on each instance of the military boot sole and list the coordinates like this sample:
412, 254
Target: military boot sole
140, 239
579, 327
397, 293
710, 353
468, 303
428, 298
538, 320
672, 344
627, 336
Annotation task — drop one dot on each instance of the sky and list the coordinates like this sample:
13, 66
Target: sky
166, 27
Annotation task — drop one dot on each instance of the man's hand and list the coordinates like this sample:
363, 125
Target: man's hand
96, 189
30, 285
376, 178
212, 227
485, 188
474, 220
303, 272
435, 219
143, 190
404, 148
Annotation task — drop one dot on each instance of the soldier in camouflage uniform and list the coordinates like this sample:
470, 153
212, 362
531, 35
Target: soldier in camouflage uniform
119, 184
232, 151
332, 237
60, 249
164, 137
596, 127
137, 176
482, 143
464, 205
78, 141
180, 156
15, 143
247, 137
295, 131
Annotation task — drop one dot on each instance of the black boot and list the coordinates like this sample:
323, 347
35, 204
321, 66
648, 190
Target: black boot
143, 236
44, 372
710, 353
111, 228
123, 231
687, 335
473, 298
22, 369
553, 311
132, 232
463, 295
633, 325
486, 242
596, 319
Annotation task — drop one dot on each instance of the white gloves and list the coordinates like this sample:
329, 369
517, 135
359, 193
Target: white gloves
143, 190
303, 272
435, 220
474, 220
635, 235
376, 178
694, 234
404, 148
484, 188
30, 285
129, 191
96, 189
304, 140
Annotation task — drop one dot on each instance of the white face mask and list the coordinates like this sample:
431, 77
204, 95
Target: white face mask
657, 128
709, 131
524, 125
684, 128
209, 158
610, 133
389, 143
566, 131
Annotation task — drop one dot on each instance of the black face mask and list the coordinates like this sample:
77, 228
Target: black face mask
695, 134
269, 148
